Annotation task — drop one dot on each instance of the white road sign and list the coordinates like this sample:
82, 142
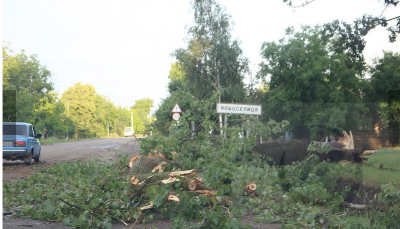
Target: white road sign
231, 108
176, 109
176, 116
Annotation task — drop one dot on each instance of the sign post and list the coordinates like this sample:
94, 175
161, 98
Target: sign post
232, 108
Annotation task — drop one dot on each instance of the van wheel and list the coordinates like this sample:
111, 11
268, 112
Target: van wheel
37, 159
28, 159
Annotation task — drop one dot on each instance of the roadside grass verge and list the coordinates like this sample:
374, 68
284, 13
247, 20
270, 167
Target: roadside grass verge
51, 141
390, 158
372, 174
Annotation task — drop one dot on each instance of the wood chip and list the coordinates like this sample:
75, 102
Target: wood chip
173, 198
160, 167
169, 180
186, 173
134, 180
150, 206
205, 192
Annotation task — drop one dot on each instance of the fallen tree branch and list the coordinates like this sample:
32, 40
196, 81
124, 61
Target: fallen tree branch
91, 212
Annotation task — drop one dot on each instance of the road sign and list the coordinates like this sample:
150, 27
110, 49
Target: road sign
176, 116
231, 108
176, 109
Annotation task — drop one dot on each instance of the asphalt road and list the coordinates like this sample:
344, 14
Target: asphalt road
103, 148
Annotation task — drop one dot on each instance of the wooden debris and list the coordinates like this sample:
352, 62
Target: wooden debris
142, 165
174, 155
204, 192
173, 198
160, 167
134, 180
251, 187
191, 186
347, 141
155, 153
186, 173
144, 181
150, 206
169, 180
369, 152
133, 159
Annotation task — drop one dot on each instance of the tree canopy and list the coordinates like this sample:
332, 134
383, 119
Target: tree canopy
29, 79
312, 86
212, 60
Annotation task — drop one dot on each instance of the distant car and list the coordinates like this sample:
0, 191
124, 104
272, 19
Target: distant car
128, 131
20, 142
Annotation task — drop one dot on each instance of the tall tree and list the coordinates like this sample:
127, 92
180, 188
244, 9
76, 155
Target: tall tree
53, 116
80, 103
177, 78
384, 95
212, 60
141, 111
29, 79
316, 89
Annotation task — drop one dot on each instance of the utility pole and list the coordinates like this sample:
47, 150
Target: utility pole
67, 117
108, 129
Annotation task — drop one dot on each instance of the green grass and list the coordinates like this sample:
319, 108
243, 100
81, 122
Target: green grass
372, 175
390, 158
51, 141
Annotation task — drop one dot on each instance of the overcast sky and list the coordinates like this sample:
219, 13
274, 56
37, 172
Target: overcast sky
123, 47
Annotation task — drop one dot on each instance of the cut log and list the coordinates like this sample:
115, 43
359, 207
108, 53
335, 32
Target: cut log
188, 185
133, 159
185, 173
142, 165
251, 187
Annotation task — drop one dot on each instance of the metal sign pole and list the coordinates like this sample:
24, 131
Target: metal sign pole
225, 124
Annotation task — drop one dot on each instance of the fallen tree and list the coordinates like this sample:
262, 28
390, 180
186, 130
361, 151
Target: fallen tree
284, 153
